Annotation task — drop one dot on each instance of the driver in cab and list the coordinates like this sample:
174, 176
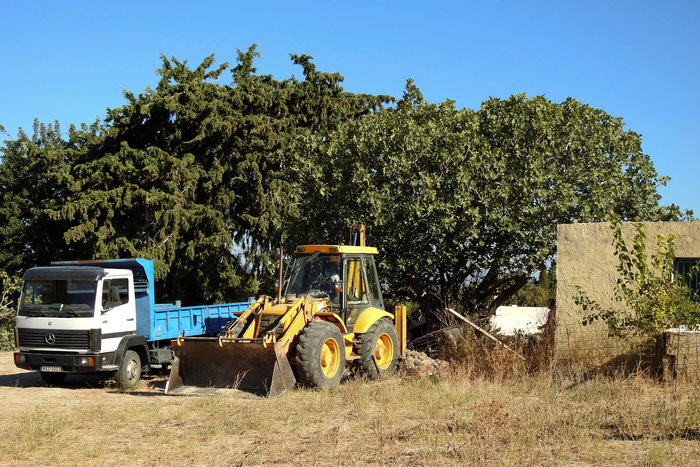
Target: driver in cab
330, 281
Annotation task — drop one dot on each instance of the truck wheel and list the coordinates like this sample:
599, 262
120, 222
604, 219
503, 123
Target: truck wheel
52, 378
378, 349
320, 355
129, 372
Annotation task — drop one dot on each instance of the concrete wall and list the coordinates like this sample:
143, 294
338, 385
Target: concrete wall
585, 257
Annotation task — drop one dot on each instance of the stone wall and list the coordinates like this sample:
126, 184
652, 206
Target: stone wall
585, 257
682, 355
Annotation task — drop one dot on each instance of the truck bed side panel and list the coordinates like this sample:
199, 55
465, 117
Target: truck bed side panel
171, 322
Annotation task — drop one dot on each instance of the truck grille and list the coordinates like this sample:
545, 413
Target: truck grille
63, 339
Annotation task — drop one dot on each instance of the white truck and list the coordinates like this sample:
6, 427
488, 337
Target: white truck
100, 317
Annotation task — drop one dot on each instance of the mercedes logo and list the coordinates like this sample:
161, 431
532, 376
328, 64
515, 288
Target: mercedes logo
50, 338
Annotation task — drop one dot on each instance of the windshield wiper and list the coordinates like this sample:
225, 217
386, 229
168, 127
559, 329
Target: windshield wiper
65, 312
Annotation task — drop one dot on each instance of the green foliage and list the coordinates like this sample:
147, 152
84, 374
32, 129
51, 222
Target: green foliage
652, 298
188, 174
208, 178
34, 178
538, 292
464, 205
10, 288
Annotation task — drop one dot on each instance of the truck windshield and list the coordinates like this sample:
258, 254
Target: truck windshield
318, 277
58, 298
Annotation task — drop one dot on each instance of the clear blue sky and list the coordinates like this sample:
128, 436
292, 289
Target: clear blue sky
640, 60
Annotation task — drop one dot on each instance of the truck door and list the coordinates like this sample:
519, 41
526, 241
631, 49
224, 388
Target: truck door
118, 311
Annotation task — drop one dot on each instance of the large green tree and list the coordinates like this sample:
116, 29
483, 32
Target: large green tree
35, 178
464, 204
190, 173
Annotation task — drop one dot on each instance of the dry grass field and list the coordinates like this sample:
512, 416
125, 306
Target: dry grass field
427, 420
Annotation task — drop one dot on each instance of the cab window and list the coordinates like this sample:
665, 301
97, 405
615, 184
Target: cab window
357, 289
373, 283
115, 292
318, 276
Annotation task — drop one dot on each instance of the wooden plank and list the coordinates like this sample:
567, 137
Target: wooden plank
484, 332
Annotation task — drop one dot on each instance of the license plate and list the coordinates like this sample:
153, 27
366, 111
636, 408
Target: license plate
51, 369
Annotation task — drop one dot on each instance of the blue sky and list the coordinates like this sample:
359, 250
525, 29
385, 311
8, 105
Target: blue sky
639, 60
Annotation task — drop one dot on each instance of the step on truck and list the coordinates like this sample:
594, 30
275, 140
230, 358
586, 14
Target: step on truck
100, 317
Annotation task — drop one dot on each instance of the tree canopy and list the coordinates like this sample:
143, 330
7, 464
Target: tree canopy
207, 179
188, 174
465, 203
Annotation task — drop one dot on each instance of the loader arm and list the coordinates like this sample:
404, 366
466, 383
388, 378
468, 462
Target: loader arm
298, 317
244, 325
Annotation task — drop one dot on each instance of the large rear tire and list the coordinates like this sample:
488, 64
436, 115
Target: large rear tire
320, 355
378, 349
52, 378
129, 373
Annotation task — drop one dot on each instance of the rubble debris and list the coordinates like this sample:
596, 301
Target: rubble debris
420, 364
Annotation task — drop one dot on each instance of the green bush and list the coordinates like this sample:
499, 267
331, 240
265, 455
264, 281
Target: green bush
10, 289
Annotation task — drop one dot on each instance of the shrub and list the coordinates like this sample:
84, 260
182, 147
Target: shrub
474, 355
10, 288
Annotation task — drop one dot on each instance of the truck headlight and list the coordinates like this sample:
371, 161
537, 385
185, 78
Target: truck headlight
19, 358
88, 361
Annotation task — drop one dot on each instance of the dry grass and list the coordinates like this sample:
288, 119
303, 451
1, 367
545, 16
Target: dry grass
452, 419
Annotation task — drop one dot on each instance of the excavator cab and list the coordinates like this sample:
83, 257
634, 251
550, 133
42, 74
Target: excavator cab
332, 314
344, 275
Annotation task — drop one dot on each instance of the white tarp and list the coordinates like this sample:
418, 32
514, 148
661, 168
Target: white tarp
519, 319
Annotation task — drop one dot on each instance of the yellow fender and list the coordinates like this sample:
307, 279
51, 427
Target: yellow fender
368, 317
332, 318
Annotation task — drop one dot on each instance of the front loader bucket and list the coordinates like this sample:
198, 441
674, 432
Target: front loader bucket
202, 366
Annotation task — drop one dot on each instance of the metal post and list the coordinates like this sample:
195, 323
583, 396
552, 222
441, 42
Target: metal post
279, 288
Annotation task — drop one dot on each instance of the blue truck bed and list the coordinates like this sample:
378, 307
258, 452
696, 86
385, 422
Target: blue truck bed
172, 321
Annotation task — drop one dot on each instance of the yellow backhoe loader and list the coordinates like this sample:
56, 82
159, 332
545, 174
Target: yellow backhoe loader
331, 314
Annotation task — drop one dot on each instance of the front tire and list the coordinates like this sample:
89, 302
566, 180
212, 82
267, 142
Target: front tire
320, 355
52, 378
129, 373
378, 349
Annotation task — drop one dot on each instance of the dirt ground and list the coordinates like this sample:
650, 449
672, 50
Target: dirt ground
19, 386
405, 420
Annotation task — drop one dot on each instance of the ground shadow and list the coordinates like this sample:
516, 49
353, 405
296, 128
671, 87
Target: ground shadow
21, 380
155, 384
33, 379
647, 359
688, 434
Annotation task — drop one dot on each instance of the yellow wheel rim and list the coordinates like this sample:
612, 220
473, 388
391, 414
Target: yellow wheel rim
384, 351
330, 358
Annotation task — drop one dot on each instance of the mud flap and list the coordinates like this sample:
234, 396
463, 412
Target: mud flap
202, 366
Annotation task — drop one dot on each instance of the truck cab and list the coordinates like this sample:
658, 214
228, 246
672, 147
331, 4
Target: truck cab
72, 319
